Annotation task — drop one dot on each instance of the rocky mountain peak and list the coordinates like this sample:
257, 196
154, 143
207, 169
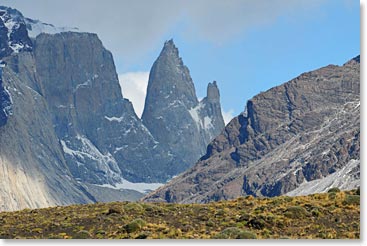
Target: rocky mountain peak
169, 82
13, 32
170, 49
173, 113
213, 92
356, 59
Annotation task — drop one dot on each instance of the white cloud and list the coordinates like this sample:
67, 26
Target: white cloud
134, 87
132, 29
228, 115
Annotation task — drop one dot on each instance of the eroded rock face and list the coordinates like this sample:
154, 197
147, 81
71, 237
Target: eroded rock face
300, 132
172, 112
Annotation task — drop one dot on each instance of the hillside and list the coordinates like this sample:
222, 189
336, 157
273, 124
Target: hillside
328, 215
306, 131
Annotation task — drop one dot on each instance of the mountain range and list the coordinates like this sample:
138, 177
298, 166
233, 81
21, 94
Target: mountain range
67, 133
298, 138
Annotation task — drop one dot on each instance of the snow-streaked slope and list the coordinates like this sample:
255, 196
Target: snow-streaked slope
297, 138
345, 179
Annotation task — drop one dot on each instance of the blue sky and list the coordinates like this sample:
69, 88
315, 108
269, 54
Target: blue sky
246, 46
268, 55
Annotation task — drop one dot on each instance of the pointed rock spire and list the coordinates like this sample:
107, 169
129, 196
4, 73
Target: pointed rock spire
172, 112
169, 81
212, 92
169, 48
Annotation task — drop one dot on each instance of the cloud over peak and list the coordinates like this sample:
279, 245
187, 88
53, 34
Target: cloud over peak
130, 29
134, 87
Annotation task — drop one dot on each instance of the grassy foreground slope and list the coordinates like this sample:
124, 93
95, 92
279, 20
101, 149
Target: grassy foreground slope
330, 215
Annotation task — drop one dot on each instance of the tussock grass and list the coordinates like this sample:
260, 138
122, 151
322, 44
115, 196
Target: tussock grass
330, 215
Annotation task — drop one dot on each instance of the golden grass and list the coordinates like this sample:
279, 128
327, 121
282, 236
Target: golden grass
330, 215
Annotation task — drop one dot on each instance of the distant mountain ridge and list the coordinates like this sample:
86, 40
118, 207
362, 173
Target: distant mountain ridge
297, 138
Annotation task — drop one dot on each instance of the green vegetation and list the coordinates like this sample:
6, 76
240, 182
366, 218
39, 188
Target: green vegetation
315, 216
235, 233
296, 212
335, 189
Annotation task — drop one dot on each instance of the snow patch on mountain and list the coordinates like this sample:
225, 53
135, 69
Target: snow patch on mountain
8, 110
118, 119
88, 151
140, 187
205, 123
36, 27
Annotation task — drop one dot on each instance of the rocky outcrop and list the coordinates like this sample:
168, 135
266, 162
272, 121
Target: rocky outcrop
172, 112
293, 136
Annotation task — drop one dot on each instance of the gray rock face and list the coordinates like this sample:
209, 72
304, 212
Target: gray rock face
172, 112
65, 128
5, 103
90, 139
33, 170
13, 39
303, 135
101, 135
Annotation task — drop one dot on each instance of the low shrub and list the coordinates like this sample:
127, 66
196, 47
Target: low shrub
295, 212
315, 212
135, 225
235, 233
257, 223
335, 189
332, 195
352, 200
134, 207
243, 217
82, 235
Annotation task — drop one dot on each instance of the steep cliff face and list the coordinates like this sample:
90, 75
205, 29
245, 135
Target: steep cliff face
172, 112
302, 135
13, 39
33, 169
5, 102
